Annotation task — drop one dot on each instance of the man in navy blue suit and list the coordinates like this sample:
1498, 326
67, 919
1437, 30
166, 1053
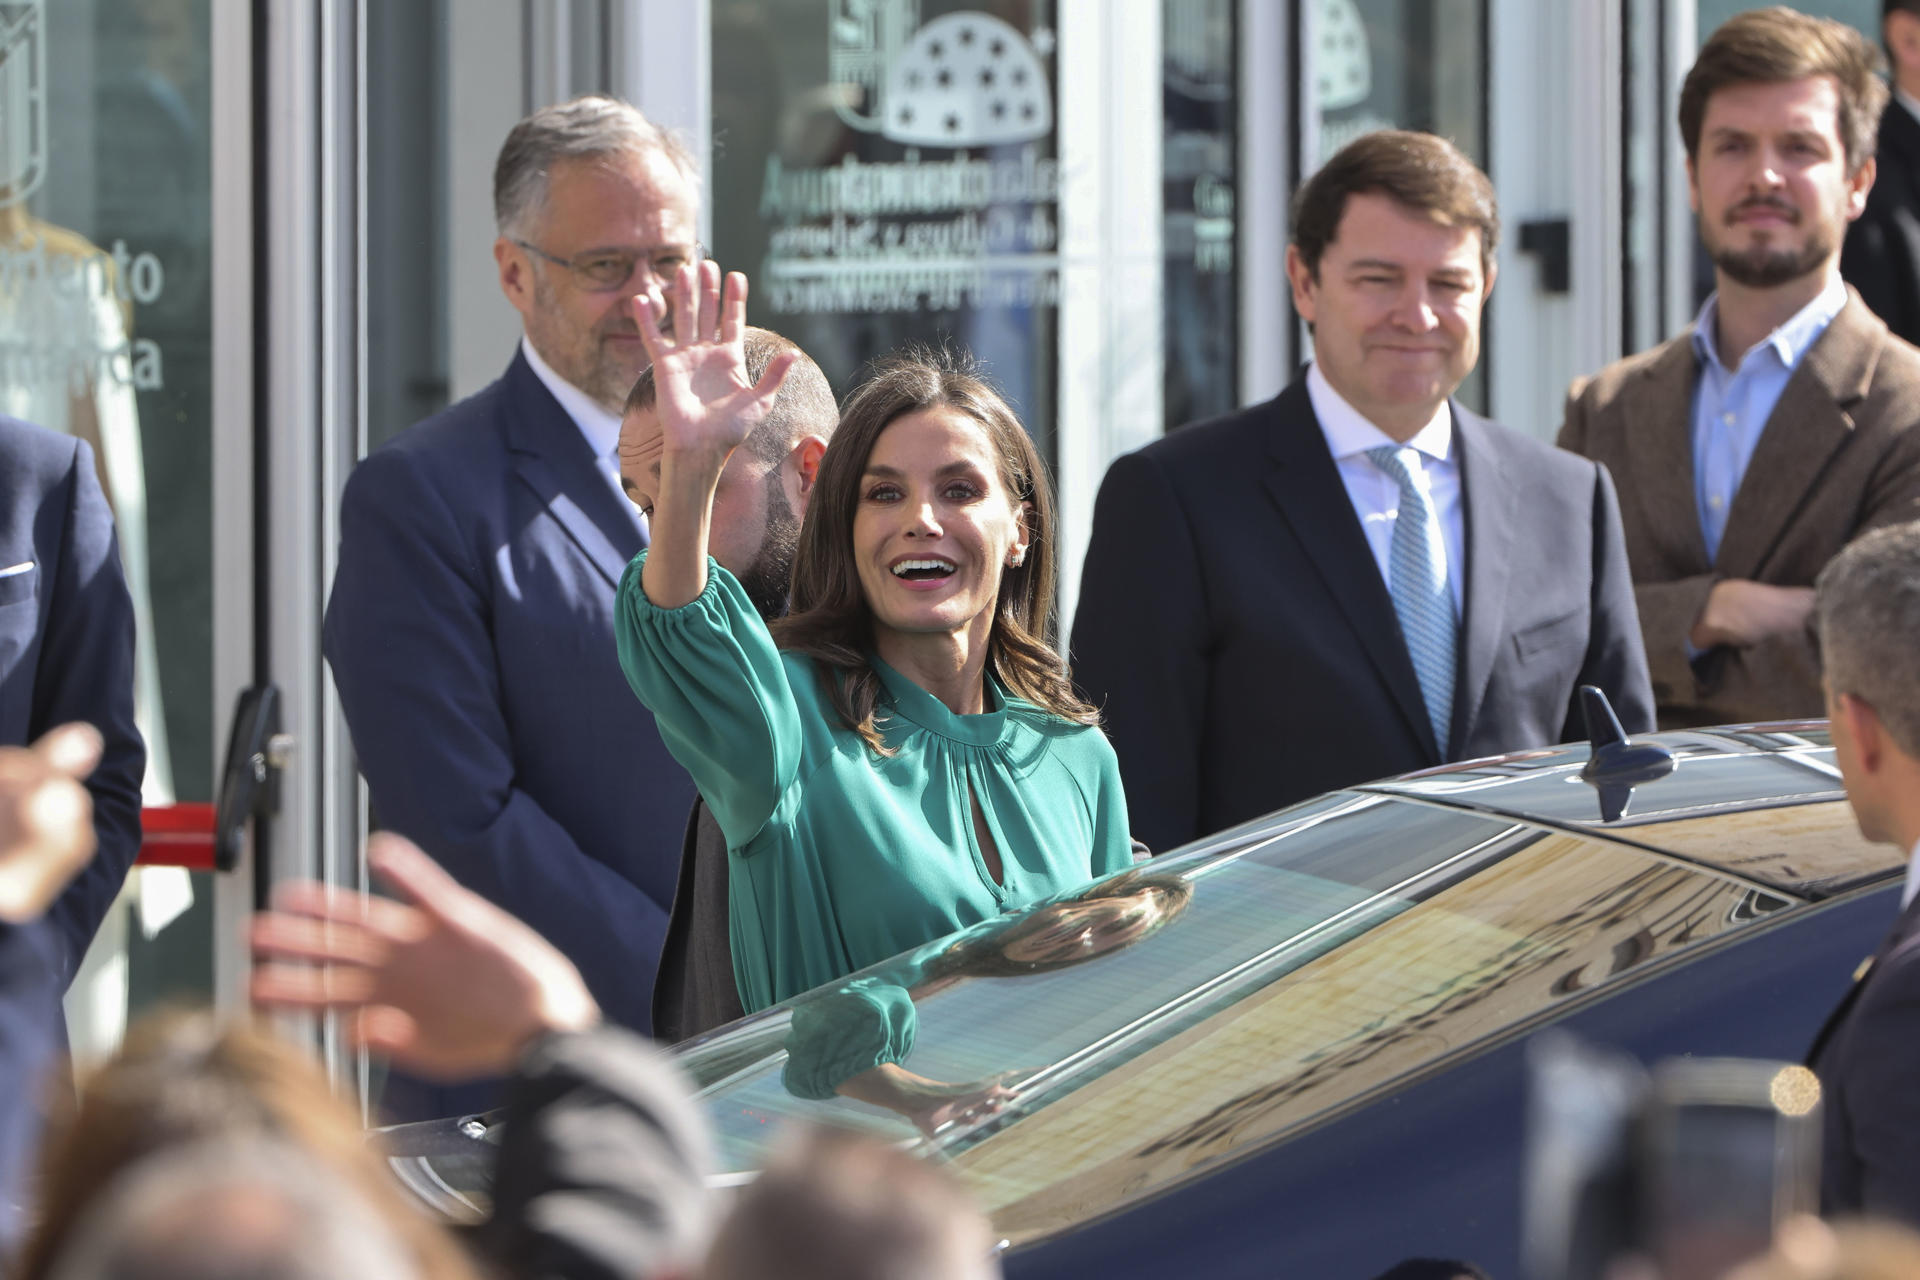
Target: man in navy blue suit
1866, 607
66, 654
1359, 577
46, 838
470, 629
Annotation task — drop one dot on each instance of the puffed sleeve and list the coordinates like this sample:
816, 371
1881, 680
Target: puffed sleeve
835, 1037
719, 692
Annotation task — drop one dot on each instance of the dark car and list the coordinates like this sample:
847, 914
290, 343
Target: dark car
1297, 1048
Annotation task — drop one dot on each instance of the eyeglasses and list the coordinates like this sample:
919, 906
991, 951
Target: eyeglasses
608, 269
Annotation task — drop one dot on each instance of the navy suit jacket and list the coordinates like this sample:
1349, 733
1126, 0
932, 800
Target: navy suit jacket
1235, 628
66, 653
29, 1046
1867, 1056
470, 632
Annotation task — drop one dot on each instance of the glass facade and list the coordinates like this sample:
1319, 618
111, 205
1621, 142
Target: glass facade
106, 333
887, 173
1200, 310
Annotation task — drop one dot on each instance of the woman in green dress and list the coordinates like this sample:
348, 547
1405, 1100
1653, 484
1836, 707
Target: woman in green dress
904, 755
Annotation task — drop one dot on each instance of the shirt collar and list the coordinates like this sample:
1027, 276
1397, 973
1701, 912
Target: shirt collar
1795, 334
602, 429
1349, 433
1907, 100
918, 707
1913, 877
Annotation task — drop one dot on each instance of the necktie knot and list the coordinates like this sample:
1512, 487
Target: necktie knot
1394, 460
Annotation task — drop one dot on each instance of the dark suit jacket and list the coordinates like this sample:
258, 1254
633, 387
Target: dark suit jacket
694, 990
470, 632
30, 1043
1838, 457
1236, 629
1868, 1057
66, 652
1881, 256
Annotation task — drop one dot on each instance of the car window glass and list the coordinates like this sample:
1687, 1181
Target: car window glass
1311, 961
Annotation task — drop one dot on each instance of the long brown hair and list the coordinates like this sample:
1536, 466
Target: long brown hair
830, 620
183, 1078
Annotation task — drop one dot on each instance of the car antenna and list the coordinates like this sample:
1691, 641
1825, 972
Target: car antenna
1617, 764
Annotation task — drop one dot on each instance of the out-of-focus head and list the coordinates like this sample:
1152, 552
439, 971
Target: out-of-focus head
1432, 1269
593, 203
1867, 613
233, 1209
933, 514
1391, 260
181, 1079
835, 1205
1809, 1249
1780, 115
1900, 34
767, 483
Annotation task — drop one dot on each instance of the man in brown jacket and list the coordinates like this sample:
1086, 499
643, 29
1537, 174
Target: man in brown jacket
1751, 448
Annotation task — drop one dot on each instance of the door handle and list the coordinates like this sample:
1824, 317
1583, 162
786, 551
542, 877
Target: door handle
1552, 239
250, 783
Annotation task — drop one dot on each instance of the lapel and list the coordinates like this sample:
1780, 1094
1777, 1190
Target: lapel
1807, 428
1488, 498
1900, 144
1306, 486
551, 457
1656, 408
1903, 926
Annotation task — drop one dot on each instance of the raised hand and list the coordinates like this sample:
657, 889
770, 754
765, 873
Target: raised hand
705, 407
702, 397
445, 983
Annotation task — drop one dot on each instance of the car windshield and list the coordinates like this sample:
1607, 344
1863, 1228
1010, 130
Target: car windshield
1108, 1043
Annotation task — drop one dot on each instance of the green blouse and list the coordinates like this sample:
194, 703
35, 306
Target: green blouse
840, 857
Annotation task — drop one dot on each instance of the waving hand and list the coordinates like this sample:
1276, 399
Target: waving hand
706, 407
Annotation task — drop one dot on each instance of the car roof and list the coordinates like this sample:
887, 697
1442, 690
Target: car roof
1763, 802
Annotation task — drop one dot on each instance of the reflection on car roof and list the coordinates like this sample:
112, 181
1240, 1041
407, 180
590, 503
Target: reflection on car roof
1764, 802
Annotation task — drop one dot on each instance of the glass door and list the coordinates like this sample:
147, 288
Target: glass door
111, 299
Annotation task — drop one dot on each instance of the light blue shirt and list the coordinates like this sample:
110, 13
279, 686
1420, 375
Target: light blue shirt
1731, 408
1375, 495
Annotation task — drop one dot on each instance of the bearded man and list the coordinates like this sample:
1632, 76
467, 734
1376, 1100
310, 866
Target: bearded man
470, 627
1751, 449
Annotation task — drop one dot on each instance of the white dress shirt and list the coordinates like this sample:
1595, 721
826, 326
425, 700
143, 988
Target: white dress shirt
1376, 496
600, 428
1913, 877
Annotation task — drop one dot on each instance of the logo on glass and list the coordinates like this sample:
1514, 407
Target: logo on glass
965, 79
23, 100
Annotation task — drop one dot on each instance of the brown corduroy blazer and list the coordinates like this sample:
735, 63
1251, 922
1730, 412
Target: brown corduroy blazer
1839, 456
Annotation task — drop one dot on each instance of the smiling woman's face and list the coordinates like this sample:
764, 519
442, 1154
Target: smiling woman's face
935, 526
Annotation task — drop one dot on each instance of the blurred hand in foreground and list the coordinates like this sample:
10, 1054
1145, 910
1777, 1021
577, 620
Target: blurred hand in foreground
443, 982
46, 818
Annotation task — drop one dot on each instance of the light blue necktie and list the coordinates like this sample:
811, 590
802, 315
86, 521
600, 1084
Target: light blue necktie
1417, 580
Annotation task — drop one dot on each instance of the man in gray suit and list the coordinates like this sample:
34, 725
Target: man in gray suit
1753, 447
1359, 577
1868, 611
